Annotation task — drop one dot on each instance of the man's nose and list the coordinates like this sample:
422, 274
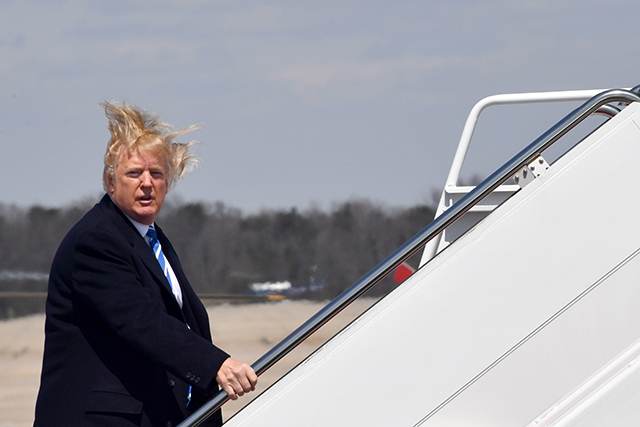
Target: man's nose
145, 179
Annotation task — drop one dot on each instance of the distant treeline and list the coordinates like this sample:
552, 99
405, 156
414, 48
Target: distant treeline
224, 251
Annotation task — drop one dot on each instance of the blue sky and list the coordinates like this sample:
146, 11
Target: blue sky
301, 103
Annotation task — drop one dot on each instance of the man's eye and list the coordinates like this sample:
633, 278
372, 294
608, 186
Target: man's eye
157, 174
133, 174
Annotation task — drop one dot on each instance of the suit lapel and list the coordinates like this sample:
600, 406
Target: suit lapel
139, 245
192, 312
151, 262
190, 302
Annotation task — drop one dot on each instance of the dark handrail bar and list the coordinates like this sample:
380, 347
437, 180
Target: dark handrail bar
414, 244
607, 111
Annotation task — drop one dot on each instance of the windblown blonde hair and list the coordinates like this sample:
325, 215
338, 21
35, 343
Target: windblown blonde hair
135, 129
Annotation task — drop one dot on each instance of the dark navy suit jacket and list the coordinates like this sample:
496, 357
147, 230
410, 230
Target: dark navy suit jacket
118, 351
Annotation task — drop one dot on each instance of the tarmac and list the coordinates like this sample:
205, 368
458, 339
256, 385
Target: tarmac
246, 331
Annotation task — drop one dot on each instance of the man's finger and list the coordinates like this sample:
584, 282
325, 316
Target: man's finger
231, 392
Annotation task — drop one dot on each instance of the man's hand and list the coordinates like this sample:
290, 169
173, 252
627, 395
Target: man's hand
236, 378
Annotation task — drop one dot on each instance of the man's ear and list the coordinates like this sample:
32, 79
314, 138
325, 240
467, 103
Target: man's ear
110, 184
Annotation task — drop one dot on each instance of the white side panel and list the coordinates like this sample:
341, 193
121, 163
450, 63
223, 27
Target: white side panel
500, 325
556, 359
614, 404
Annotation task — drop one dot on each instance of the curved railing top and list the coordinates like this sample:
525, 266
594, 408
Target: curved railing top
419, 240
506, 99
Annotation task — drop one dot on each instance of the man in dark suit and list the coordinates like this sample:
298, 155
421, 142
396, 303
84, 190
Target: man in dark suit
128, 341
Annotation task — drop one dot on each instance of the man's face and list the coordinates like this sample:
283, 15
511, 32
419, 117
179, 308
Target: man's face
139, 185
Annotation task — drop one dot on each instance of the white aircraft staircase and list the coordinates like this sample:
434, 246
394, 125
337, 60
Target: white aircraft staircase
530, 318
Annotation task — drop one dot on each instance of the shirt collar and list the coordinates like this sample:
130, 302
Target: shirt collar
142, 228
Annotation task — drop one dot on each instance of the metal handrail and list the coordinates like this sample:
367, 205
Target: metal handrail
451, 183
505, 99
607, 110
419, 240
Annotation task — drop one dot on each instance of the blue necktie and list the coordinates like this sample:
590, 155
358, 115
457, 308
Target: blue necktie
154, 243
157, 251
